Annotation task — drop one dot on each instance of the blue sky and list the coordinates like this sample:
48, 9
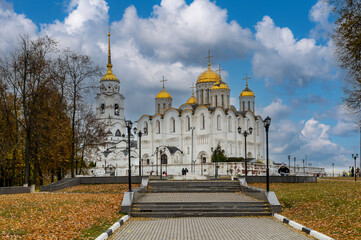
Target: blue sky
284, 45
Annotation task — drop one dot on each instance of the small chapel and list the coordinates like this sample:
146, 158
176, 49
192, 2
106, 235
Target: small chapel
178, 137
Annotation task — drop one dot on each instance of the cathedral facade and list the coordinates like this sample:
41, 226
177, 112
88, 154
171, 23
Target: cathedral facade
186, 135
175, 138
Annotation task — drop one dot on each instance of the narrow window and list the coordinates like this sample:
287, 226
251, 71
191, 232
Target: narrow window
188, 123
216, 101
219, 122
117, 133
222, 101
102, 108
249, 105
116, 109
243, 109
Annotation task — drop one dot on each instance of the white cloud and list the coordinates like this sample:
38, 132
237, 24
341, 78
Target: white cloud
276, 110
320, 14
282, 57
12, 25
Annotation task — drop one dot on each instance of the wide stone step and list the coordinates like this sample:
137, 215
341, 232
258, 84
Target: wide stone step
256, 203
182, 190
247, 209
198, 214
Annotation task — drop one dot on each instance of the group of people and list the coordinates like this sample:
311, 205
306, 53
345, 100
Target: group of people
184, 171
283, 170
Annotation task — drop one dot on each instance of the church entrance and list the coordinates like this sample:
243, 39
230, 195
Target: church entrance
164, 160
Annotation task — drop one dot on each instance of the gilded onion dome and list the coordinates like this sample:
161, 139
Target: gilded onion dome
208, 76
220, 85
247, 92
192, 99
163, 93
109, 75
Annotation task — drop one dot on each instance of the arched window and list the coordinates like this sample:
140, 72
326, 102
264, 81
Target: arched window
243, 109
172, 125
188, 123
116, 109
148, 161
118, 134
158, 108
249, 105
207, 96
201, 96
222, 101
102, 108
163, 107
216, 102
164, 159
219, 122
145, 128
203, 125
157, 125
258, 126
230, 124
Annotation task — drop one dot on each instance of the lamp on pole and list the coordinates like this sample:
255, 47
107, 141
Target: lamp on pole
333, 169
354, 156
289, 161
245, 134
303, 164
216, 156
192, 128
156, 160
140, 133
129, 125
267, 123
294, 164
106, 153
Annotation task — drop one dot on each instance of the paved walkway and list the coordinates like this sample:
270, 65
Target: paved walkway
196, 197
207, 228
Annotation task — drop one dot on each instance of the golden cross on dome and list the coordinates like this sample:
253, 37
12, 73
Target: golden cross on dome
193, 87
246, 79
109, 55
209, 57
219, 69
163, 80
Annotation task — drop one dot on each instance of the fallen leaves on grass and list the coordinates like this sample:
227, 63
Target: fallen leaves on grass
59, 215
330, 207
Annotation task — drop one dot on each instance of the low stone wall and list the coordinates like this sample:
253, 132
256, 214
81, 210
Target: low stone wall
70, 182
282, 179
14, 190
109, 180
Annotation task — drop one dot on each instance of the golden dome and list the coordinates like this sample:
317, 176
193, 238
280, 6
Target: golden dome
220, 85
246, 92
192, 99
163, 94
109, 75
208, 76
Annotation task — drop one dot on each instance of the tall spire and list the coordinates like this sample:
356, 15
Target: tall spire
109, 65
109, 75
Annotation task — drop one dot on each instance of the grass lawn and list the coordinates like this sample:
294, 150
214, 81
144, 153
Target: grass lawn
80, 212
330, 207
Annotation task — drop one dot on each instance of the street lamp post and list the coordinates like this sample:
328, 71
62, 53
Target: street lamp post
129, 127
161, 161
294, 164
156, 160
106, 153
140, 133
245, 134
303, 164
289, 161
215, 164
192, 128
354, 156
267, 123
333, 169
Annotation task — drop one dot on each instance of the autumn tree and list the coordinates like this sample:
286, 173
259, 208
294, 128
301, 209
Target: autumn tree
347, 38
79, 72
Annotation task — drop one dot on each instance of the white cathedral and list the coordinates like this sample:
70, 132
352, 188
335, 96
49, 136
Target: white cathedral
176, 138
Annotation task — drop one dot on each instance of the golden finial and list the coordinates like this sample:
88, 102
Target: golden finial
109, 65
163, 81
209, 58
219, 70
193, 87
246, 80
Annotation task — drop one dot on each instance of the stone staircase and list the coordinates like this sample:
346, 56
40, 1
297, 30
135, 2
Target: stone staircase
193, 186
197, 199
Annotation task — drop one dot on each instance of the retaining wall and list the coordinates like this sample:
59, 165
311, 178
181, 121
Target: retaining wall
14, 190
282, 179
